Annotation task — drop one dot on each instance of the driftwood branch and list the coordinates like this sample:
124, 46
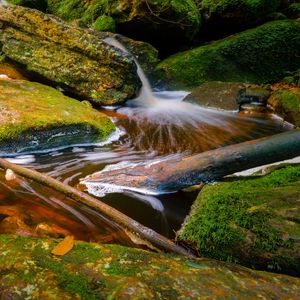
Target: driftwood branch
119, 218
174, 174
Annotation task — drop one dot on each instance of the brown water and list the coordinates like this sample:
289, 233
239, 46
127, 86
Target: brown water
145, 133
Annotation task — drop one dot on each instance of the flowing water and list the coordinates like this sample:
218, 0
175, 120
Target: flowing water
154, 126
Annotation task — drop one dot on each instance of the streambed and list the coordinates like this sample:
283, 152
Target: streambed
146, 133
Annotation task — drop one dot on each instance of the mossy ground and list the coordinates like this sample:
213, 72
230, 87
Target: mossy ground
252, 221
245, 57
28, 106
94, 271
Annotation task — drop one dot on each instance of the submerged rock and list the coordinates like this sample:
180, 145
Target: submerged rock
34, 116
254, 222
258, 55
96, 271
76, 59
286, 103
217, 94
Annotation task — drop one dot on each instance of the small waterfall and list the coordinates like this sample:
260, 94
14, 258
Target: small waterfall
146, 96
3, 2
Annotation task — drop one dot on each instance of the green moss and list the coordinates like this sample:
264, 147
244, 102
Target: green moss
245, 57
29, 108
238, 11
104, 23
67, 10
75, 283
29, 270
293, 11
287, 104
242, 220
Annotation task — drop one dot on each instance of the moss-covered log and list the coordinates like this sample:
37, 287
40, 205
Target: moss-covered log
173, 174
94, 271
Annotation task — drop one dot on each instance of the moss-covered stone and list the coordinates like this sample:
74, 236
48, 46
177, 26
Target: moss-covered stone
286, 103
251, 221
293, 11
104, 23
218, 13
75, 58
259, 55
39, 117
160, 22
94, 271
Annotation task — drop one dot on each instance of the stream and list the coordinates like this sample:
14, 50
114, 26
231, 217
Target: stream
169, 128
153, 127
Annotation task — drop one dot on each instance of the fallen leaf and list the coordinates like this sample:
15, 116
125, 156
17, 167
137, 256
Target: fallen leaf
64, 246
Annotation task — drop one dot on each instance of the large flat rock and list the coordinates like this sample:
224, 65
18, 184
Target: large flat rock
97, 271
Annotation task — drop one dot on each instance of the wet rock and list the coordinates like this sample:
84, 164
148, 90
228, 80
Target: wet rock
245, 57
34, 116
13, 225
217, 94
54, 231
95, 271
254, 221
253, 94
74, 58
11, 71
286, 103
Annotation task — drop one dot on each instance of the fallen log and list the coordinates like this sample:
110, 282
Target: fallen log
174, 174
142, 232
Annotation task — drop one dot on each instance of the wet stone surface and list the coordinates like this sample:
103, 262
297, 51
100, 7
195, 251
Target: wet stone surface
94, 271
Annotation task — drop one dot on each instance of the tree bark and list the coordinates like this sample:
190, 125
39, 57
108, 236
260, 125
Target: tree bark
174, 174
119, 218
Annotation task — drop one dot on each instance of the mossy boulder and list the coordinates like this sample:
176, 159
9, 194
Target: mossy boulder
97, 271
74, 58
286, 103
254, 222
258, 55
34, 116
160, 22
293, 11
236, 13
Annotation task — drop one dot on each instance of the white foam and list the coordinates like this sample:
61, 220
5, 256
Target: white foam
22, 159
3, 76
100, 189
